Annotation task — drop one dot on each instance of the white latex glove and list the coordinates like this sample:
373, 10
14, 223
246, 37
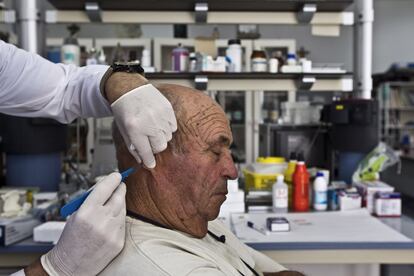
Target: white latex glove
146, 121
93, 235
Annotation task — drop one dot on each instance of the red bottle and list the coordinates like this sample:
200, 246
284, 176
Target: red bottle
301, 187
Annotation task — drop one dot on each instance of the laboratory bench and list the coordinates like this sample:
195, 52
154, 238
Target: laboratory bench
26, 251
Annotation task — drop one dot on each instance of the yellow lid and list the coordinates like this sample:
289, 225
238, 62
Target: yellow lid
270, 160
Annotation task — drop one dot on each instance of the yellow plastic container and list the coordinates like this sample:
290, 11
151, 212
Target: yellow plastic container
262, 174
270, 160
258, 181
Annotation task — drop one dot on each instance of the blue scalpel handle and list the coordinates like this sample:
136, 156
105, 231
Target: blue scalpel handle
74, 205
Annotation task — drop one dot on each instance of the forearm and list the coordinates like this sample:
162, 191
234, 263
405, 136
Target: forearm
120, 83
31, 86
35, 269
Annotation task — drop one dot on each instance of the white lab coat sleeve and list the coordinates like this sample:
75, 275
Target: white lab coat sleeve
32, 86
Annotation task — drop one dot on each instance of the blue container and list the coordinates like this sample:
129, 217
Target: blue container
34, 170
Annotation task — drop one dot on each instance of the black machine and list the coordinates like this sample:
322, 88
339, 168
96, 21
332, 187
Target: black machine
349, 131
354, 124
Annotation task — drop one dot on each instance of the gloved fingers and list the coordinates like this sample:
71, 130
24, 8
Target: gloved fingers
143, 147
158, 142
168, 135
172, 120
116, 202
134, 153
103, 190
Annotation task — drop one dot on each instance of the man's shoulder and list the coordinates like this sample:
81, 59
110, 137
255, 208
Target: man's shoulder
153, 250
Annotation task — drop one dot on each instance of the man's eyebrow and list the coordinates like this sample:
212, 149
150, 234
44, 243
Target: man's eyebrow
222, 140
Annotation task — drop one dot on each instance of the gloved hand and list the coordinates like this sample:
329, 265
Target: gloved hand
93, 235
146, 121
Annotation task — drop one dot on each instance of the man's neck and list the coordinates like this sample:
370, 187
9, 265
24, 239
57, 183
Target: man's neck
140, 201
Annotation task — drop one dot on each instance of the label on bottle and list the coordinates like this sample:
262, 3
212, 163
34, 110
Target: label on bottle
259, 65
281, 198
321, 197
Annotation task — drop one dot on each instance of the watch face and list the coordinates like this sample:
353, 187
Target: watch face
129, 67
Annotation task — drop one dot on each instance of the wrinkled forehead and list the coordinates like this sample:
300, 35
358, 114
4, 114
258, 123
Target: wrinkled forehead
209, 124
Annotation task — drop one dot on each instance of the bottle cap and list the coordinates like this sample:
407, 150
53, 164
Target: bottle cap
319, 174
291, 55
234, 41
280, 178
301, 157
293, 156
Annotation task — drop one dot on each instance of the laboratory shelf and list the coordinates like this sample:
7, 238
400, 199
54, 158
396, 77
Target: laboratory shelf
258, 81
218, 12
215, 5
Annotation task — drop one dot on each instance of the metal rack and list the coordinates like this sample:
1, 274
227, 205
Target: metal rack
316, 13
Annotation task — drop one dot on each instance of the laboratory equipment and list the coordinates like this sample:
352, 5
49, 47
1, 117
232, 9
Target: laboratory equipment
74, 205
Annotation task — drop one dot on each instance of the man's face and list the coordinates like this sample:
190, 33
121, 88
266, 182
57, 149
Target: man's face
198, 177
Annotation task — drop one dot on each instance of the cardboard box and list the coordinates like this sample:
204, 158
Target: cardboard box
13, 230
368, 189
349, 201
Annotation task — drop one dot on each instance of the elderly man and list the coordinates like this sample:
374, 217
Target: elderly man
171, 209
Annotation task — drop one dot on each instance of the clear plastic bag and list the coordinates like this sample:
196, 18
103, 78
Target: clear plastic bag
380, 158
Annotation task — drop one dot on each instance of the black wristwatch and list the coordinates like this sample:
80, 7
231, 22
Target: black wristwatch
120, 66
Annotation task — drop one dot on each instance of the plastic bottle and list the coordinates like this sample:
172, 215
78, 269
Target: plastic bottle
301, 186
102, 57
258, 61
234, 53
280, 195
291, 59
288, 176
70, 49
273, 65
146, 58
179, 59
320, 192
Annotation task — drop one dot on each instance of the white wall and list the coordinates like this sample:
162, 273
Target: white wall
393, 33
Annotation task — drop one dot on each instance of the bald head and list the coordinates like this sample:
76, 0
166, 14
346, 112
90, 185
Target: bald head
187, 187
197, 116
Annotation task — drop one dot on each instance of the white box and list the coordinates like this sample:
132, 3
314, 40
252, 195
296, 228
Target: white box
349, 201
16, 229
49, 231
368, 189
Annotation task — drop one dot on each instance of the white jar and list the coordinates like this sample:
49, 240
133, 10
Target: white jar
146, 58
234, 53
273, 65
320, 193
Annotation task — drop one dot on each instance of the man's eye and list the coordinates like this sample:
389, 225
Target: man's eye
215, 152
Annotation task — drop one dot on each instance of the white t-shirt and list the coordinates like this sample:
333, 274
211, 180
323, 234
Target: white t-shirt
153, 250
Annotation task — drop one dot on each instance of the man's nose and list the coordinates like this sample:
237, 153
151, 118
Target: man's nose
230, 170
